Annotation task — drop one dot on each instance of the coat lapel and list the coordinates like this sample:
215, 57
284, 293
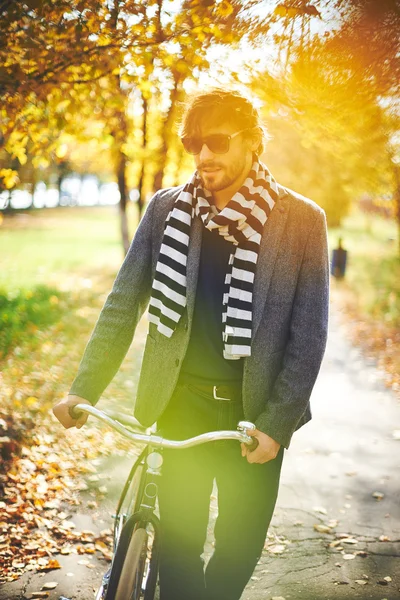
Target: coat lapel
193, 262
269, 247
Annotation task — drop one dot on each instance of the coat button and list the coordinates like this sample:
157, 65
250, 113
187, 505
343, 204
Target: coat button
185, 326
177, 362
282, 209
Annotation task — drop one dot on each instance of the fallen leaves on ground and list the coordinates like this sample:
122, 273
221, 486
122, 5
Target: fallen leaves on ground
378, 496
276, 544
51, 585
322, 528
33, 519
44, 466
377, 338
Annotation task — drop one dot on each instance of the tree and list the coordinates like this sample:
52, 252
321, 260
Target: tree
329, 136
368, 43
92, 48
338, 96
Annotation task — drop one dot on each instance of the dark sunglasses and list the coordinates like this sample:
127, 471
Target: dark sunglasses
218, 143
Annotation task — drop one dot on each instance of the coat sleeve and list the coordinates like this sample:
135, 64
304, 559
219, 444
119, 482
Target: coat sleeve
307, 340
115, 327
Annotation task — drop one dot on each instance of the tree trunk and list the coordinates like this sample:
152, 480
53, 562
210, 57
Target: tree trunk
120, 137
7, 208
166, 131
142, 171
396, 170
121, 176
31, 180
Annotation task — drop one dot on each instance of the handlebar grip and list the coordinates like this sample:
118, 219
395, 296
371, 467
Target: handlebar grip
74, 413
253, 444
244, 427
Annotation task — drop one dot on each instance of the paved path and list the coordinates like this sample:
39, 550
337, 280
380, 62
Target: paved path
336, 463
334, 466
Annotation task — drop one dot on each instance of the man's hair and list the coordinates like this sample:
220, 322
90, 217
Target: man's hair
220, 106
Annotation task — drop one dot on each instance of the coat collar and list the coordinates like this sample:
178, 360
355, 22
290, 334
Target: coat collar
270, 243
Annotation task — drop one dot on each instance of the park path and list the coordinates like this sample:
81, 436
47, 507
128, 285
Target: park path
333, 468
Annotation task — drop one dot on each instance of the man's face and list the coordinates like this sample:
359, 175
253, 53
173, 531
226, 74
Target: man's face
221, 171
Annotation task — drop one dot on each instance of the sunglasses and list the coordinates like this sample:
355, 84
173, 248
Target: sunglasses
218, 143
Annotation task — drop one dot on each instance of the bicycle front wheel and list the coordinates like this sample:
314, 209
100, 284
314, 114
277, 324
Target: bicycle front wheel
132, 571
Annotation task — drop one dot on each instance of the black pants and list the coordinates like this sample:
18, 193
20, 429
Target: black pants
246, 500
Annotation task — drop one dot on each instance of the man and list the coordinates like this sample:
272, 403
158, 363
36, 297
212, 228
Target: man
234, 268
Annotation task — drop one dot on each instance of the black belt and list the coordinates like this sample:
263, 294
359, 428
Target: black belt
218, 392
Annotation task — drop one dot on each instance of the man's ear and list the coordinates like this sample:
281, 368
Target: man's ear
255, 139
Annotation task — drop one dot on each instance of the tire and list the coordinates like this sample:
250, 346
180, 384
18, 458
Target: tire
131, 577
133, 496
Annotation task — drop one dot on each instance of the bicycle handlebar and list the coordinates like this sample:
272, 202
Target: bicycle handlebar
158, 441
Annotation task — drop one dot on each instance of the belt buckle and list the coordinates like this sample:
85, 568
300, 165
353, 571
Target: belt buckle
218, 397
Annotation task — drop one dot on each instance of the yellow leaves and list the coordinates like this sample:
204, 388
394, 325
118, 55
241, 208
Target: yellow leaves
216, 31
280, 10
31, 402
48, 565
16, 145
181, 66
10, 178
169, 59
104, 40
40, 161
20, 154
104, 549
61, 151
288, 11
224, 9
228, 38
197, 60
145, 87
62, 106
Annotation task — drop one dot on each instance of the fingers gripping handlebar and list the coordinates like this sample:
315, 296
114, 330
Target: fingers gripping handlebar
244, 427
74, 413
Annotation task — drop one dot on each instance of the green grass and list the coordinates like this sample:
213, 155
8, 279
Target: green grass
47, 260
23, 313
39, 247
45, 247
373, 269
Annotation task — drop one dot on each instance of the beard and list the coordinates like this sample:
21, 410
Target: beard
224, 177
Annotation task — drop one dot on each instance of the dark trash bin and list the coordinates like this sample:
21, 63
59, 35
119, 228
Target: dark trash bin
339, 260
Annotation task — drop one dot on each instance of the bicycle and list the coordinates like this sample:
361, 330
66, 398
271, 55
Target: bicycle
133, 572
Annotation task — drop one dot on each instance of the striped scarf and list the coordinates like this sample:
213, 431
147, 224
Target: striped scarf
240, 222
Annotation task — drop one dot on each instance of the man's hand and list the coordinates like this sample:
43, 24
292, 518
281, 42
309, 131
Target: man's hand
266, 450
60, 410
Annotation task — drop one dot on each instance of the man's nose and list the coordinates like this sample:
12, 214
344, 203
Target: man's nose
205, 153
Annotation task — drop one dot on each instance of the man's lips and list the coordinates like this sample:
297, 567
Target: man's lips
208, 170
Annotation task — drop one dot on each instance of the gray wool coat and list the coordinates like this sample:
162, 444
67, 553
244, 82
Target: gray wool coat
290, 318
